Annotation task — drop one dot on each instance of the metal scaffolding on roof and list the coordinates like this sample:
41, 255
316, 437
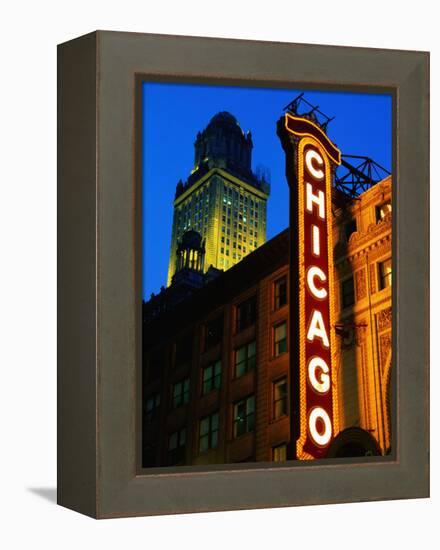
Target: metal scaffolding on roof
352, 177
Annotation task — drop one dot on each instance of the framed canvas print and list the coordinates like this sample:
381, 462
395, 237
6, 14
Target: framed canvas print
243, 274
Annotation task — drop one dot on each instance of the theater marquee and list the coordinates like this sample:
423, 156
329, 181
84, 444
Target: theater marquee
312, 261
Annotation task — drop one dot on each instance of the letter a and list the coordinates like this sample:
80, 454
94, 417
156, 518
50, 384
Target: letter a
317, 328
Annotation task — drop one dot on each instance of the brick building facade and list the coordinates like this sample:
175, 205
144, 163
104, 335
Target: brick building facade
216, 365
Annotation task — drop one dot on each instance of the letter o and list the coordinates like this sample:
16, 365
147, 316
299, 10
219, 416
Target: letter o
318, 413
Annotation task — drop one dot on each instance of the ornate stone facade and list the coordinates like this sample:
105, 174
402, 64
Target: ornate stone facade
365, 380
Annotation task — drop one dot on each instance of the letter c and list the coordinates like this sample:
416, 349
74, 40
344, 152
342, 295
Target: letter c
312, 272
312, 155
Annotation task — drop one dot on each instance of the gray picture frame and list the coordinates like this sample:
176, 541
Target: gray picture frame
99, 274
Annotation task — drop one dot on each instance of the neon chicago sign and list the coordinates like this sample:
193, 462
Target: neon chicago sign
318, 413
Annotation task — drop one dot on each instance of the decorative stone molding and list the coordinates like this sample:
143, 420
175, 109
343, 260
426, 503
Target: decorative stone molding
343, 252
384, 350
373, 278
360, 283
384, 318
361, 333
354, 237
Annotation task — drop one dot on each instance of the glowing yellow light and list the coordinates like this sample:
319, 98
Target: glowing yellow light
319, 414
318, 367
312, 272
317, 329
316, 248
313, 139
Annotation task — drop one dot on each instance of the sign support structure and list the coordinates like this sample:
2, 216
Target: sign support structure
311, 158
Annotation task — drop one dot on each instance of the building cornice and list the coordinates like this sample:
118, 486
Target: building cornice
362, 242
224, 174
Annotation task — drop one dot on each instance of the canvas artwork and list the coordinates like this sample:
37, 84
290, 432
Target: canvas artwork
266, 274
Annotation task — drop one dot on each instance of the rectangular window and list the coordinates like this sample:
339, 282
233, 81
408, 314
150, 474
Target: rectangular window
212, 377
244, 416
385, 272
280, 292
208, 433
245, 359
246, 313
279, 453
279, 398
152, 405
176, 447
347, 292
280, 339
383, 210
213, 332
180, 393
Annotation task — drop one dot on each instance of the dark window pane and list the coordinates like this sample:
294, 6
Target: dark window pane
245, 359
176, 447
280, 339
208, 433
180, 393
244, 416
211, 378
280, 398
246, 314
152, 405
280, 293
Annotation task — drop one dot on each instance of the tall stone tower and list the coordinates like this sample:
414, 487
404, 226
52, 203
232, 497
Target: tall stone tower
222, 199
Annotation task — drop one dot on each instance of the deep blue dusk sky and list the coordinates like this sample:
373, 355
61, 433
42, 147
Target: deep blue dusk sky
174, 113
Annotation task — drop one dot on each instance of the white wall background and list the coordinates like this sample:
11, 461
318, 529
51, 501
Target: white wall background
29, 34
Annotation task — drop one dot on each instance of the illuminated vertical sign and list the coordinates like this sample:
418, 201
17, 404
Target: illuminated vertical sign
312, 263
